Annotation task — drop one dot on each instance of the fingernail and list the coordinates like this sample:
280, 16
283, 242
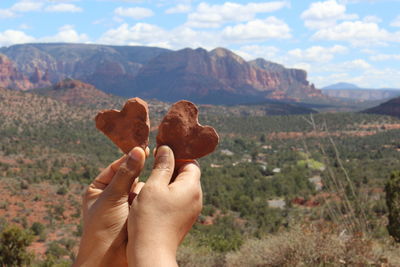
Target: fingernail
134, 156
162, 156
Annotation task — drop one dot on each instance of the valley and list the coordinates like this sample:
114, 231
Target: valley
271, 176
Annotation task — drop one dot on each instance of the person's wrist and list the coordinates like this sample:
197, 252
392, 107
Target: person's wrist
150, 253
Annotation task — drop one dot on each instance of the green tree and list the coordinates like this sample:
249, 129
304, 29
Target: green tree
393, 203
13, 244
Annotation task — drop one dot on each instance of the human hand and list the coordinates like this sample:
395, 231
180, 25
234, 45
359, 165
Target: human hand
163, 213
106, 209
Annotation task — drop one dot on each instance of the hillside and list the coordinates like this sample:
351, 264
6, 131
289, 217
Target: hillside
218, 76
391, 107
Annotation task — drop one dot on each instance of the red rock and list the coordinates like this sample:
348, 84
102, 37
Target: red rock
127, 128
181, 131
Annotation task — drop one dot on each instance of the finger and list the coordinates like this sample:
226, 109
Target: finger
147, 151
125, 176
163, 168
189, 172
105, 177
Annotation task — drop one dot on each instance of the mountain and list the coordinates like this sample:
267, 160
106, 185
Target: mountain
11, 77
109, 68
391, 107
218, 76
353, 92
76, 93
341, 86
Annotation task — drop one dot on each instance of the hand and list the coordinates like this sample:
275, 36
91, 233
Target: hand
164, 212
106, 209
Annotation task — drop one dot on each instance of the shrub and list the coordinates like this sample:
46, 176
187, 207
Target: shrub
393, 203
37, 228
13, 244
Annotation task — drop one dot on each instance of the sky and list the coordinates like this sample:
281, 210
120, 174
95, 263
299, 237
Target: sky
354, 41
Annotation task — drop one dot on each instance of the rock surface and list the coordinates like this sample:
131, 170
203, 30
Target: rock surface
181, 131
127, 128
215, 77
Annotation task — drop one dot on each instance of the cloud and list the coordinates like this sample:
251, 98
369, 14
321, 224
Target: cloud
181, 8
317, 53
325, 14
63, 8
385, 57
250, 52
6, 14
27, 6
140, 33
373, 19
66, 34
214, 16
134, 12
11, 37
396, 22
257, 30
358, 33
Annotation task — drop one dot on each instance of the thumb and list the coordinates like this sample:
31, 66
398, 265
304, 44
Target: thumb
125, 176
164, 165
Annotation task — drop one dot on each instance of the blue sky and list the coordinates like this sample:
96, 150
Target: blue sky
356, 41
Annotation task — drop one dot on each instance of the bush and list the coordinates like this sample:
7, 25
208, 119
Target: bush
393, 203
37, 228
13, 244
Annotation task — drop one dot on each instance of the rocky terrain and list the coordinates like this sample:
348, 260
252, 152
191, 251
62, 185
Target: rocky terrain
218, 76
11, 77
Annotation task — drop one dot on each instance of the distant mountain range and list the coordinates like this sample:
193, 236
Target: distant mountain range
218, 76
352, 91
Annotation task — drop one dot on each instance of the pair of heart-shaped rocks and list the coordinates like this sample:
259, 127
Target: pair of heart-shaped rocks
180, 129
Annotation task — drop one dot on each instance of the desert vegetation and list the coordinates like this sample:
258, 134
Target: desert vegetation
290, 190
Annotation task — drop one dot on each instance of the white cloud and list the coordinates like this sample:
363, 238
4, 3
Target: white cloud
396, 22
181, 8
213, 16
385, 57
372, 18
325, 14
27, 6
134, 12
67, 34
250, 52
317, 53
140, 33
63, 8
6, 13
257, 30
11, 37
358, 33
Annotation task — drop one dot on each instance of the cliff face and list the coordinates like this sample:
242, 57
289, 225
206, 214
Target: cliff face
10, 77
218, 76
197, 74
109, 68
391, 107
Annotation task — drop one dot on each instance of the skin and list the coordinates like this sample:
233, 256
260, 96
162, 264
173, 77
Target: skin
115, 234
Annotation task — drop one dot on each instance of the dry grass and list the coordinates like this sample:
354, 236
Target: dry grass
314, 246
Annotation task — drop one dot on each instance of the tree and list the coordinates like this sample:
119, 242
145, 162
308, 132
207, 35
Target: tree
13, 244
393, 203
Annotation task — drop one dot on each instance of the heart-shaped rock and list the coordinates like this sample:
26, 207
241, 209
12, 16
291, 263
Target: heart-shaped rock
127, 128
180, 130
